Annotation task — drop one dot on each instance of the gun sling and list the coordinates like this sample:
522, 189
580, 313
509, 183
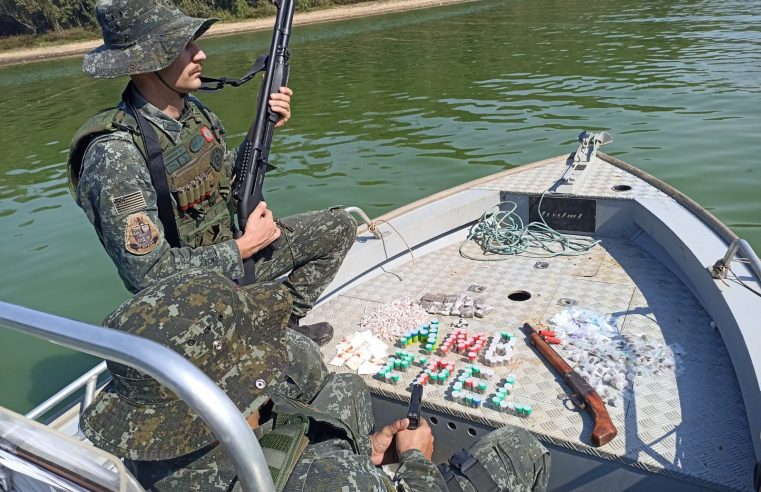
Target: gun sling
157, 170
469, 466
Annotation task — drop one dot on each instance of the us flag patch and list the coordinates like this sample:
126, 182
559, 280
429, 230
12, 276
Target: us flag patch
126, 204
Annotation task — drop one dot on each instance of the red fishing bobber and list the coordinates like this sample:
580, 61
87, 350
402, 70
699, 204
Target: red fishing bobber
552, 340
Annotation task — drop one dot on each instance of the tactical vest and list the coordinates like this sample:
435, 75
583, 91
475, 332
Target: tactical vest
194, 166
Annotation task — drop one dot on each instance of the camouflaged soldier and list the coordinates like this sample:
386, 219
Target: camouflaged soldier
154, 175
326, 445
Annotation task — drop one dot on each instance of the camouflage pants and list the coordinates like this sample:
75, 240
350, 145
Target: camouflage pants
345, 396
312, 247
330, 464
514, 458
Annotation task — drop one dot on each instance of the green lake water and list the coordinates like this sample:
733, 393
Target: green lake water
391, 109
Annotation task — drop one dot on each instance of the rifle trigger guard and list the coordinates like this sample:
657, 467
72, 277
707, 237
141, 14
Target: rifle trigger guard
578, 402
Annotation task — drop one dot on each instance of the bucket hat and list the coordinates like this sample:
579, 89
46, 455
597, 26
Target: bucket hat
235, 336
140, 36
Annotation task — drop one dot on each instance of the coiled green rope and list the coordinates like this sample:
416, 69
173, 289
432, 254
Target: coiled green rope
502, 232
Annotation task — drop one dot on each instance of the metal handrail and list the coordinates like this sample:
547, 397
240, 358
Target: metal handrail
88, 379
721, 267
168, 368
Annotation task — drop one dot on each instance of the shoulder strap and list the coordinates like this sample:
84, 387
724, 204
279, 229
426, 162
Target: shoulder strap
157, 170
207, 114
469, 466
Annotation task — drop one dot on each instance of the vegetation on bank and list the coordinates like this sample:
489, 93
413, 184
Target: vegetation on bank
35, 23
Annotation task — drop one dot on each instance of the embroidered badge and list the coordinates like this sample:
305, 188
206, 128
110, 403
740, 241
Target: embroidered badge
207, 134
131, 202
141, 235
197, 142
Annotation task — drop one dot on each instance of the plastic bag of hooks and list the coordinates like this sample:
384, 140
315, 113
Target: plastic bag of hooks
609, 361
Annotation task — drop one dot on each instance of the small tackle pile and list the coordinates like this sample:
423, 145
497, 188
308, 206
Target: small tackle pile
455, 305
434, 361
363, 352
471, 388
392, 320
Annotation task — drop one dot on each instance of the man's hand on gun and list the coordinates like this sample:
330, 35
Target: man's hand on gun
403, 439
260, 231
280, 103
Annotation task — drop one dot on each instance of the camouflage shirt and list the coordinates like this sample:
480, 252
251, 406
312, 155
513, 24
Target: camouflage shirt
114, 168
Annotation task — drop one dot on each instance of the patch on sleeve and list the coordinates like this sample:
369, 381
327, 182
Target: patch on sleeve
141, 235
131, 202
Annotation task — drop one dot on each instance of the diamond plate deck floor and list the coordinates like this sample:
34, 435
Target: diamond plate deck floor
689, 424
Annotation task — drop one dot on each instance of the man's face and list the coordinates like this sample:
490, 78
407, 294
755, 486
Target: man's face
185, 72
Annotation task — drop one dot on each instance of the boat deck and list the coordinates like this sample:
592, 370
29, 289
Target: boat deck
688, 422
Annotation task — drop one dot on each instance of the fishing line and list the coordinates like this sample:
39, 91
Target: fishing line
502, 232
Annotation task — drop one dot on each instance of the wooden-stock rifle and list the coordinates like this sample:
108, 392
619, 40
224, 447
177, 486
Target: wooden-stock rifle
583, 395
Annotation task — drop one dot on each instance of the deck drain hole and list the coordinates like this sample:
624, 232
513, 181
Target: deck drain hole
519, 295
472, 432
451, 425
621, 188
433, 420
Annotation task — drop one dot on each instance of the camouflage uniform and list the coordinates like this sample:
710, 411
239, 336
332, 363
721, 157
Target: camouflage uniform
219, 327
112, 184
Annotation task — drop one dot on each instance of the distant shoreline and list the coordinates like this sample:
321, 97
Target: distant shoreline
31, 55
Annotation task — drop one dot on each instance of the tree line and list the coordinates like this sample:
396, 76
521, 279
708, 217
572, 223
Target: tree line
35, 17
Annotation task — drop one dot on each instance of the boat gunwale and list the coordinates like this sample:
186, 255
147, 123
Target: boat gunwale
724, 232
